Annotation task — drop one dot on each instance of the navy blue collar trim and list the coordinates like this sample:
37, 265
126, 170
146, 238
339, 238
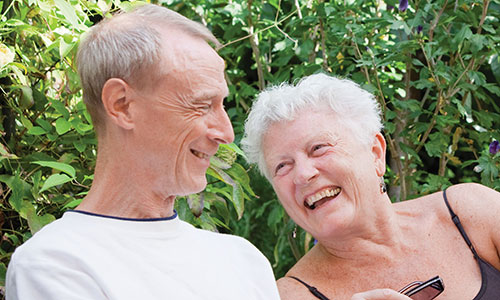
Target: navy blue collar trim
125, 219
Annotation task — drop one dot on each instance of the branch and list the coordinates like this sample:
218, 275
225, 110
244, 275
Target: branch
255, 47
259, 31
323, 44
436, 20
432, 123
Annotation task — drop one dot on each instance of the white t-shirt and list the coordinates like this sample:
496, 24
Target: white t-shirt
85, 256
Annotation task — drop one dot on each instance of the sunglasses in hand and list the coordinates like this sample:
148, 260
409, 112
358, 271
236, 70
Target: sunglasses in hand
426, 290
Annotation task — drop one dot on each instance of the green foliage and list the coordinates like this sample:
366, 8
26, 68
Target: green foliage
435, 70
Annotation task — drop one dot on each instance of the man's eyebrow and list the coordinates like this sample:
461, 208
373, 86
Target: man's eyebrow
207, 95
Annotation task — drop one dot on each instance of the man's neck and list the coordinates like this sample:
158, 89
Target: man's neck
118, 191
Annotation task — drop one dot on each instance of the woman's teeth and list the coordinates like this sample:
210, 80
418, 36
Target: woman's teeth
329, 192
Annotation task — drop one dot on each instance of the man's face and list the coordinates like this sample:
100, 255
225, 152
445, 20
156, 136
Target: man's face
182, 119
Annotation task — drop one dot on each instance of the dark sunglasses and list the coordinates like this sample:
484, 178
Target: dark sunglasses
427, 290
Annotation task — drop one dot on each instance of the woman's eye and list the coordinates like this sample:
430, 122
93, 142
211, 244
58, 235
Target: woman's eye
278, 167
282, 169
318, 149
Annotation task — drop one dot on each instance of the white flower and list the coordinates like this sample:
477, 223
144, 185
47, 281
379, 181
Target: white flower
6, 55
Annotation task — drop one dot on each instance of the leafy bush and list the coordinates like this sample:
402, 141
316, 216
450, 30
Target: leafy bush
433, 66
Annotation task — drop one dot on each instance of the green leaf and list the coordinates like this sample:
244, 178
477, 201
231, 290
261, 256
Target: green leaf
237, 199
62, 126
235, 148
64, 47
196, 203
35, 222
436, 145
36, 130
477, 42
4, 153
495, 67
219, 163
17, 194
26, 100
80, 146
220, 174
55, 179
44, 124
68, 169
26, 122
463, 34
72, 204
60, 108
3, 273
240, 174
68, 11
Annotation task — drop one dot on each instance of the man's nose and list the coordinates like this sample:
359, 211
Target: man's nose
221, 130
305, 171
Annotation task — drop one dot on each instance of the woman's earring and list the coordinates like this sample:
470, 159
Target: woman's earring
383, 188
294, 232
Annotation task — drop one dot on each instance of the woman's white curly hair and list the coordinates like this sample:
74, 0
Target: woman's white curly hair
355, 107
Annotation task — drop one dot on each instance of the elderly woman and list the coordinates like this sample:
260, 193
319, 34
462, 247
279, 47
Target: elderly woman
320, 146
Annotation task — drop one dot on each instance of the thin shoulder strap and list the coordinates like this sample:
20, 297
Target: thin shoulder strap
312, 289
456, 220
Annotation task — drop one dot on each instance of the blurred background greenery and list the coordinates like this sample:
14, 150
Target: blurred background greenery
434, 67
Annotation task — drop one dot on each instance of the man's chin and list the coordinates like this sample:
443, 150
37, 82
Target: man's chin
197, 185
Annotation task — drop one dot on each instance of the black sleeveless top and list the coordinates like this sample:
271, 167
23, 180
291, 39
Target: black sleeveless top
490, 277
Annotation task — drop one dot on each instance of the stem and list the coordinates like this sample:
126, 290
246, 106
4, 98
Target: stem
323, 44
432, 123
259, 31
436, 20
255, 47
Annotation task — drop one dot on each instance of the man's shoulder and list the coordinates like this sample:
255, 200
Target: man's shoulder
222, 241
42, 245
221, 237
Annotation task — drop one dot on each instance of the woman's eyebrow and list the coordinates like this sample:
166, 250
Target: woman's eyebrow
324, 135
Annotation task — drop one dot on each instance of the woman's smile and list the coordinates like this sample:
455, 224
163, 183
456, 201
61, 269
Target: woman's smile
320, 197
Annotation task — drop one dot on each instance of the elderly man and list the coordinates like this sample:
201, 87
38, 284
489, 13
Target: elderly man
155, 90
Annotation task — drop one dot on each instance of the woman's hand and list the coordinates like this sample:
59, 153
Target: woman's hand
380, 294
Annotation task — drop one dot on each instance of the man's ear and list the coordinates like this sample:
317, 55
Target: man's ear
378, 150
116, 100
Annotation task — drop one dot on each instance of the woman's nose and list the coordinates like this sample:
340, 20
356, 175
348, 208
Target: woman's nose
305, 172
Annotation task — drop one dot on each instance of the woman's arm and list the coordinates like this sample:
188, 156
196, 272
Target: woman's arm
380, 294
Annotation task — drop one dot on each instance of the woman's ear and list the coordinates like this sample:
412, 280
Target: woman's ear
116, 98
378, 150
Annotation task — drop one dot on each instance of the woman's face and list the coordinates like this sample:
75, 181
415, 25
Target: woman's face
320, 172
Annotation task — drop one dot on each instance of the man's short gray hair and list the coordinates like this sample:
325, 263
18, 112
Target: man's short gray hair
355, 107
128, 46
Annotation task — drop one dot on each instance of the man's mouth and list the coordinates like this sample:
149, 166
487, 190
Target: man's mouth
322, 196
200, 154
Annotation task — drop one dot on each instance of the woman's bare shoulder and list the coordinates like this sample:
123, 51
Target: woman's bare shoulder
473, 199
291, 289
478, 208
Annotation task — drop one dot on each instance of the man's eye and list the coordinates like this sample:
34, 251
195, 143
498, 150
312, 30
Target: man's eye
205, 108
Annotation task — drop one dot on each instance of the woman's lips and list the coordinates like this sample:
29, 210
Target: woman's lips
321, 197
